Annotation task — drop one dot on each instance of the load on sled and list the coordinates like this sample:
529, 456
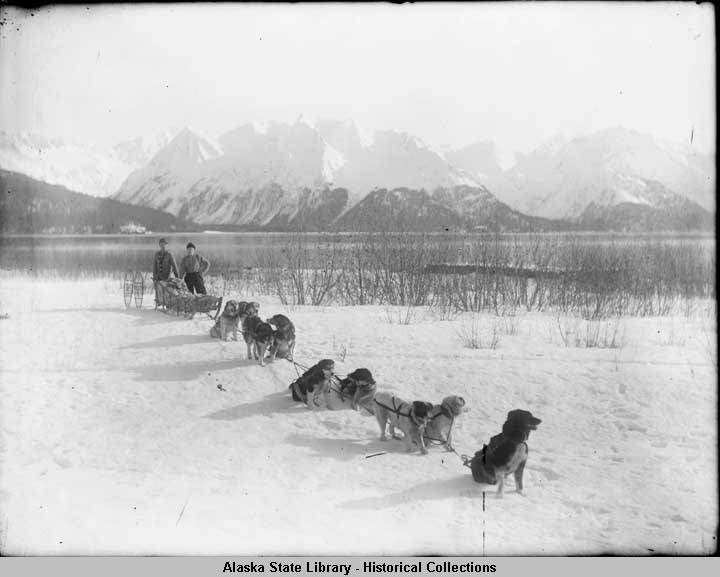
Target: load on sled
173, 295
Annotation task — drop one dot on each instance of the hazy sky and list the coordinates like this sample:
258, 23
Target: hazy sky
449, 73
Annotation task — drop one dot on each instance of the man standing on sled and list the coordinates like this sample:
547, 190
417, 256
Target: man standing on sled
193, 267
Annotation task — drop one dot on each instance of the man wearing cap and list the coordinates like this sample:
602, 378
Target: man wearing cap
193, 267
163, 265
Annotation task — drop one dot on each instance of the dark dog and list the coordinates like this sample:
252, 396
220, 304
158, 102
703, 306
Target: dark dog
312, 386
361, 386
248, 309
258, 337
506, 453
283, 338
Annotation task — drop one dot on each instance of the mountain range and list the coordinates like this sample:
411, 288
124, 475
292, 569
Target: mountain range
332, 175
561, 178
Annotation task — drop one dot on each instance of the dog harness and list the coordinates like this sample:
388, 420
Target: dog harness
449, 414
397, 411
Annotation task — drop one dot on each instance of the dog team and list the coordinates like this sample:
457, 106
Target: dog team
420, 422
272, 338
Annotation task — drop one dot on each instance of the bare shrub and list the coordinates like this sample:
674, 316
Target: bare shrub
670, 337
508, 324
443, 311
583, 333
401, 315
303, 274
474, 335
708, 334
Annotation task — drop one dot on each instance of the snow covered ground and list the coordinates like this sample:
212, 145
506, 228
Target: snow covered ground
115, 438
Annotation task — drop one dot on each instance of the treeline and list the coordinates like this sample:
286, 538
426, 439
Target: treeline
28, 206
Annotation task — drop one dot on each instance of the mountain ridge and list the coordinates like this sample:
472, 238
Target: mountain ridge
279, 175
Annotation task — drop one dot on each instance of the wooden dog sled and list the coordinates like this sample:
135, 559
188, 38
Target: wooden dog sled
170, 296
173, 295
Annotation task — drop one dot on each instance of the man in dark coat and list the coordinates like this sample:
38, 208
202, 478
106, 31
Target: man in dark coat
163, 265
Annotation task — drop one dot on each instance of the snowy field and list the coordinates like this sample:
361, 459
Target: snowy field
115, 438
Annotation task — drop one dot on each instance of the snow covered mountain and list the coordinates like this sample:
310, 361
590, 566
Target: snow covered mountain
305, 176
138, 151
278, 174
83, 167
613, 167
481, 159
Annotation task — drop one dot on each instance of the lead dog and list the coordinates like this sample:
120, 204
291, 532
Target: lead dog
442, 418
283, 338
506, 453
410, 418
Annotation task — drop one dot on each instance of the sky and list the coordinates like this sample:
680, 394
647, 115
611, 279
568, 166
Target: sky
452, 74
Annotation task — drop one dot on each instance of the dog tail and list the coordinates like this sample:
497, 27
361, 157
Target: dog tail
293, 390
481, 473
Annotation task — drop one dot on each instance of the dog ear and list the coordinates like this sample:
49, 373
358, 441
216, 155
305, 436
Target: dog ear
509, 426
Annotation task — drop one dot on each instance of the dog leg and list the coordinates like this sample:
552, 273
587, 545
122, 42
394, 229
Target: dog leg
408, 443
261, 350
381, 420
519, 478
421, 442
391, 429
316, 398
324, 390
501, 483
448, 442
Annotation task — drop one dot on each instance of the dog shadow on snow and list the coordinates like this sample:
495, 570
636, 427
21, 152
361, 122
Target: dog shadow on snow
144, 316
272, 404
435, 490
171, 341
168, 371
334, 448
